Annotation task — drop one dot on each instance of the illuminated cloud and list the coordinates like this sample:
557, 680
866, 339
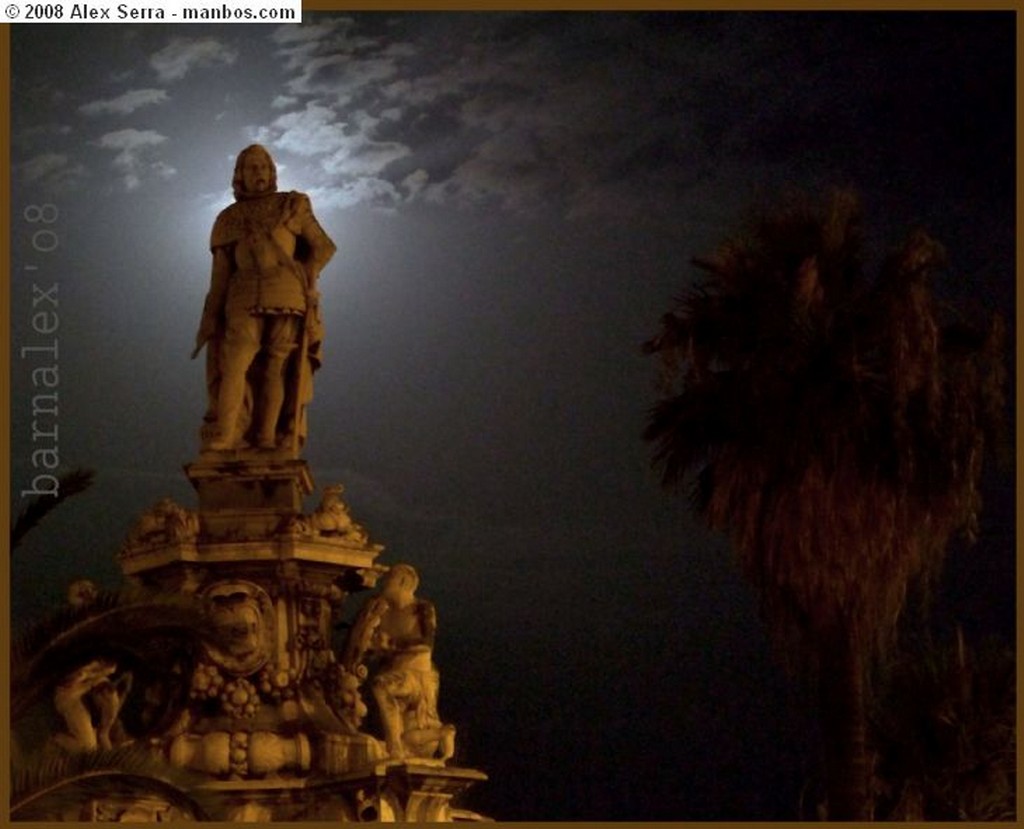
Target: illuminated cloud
163, 169
415, 182
502, 125
133, 146
364, 157
181, 55
299, 44
360, 153
125, 104
341, 76
311, 131
372, 192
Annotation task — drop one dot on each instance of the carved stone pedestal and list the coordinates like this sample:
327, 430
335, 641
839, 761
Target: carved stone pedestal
274, 715
242, 499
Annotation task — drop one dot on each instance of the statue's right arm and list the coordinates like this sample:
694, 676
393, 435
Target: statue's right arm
213, 307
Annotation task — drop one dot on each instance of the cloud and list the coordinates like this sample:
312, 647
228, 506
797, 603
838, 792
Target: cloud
133, 146
487, 111
42, 165
163, 169
415, 182
53, 170
508, 110
538, 129
363, 157
373, 192
341, 76
359, 153
125, 104
502, 172
306, 32
334, 61
301, 43
182, 55
427, 89
350, 146
311, 131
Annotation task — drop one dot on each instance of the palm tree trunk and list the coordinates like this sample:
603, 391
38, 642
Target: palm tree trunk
843, 727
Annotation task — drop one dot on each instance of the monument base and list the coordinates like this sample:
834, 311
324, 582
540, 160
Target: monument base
249, 498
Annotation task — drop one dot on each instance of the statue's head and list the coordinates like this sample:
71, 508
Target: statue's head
82, 592
400, 578
255, 173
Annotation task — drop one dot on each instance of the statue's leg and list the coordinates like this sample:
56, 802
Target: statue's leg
241, 345
282, 340
390, 707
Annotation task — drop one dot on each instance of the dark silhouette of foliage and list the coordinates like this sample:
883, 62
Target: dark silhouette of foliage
943, 729
70, 484
143, 629
52, 783
834, 426
153, 636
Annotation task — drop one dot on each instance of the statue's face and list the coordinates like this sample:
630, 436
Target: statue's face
241, 617
397, 584
256, 173
238, 621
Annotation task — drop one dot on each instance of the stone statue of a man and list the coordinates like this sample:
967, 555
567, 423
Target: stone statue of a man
261, 322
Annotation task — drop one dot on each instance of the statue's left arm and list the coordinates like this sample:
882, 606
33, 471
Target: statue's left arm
305, 225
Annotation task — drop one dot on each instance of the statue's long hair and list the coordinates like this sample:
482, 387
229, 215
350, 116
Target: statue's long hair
237, 184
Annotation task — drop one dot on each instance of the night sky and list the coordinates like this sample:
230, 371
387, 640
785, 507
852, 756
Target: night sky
515, 198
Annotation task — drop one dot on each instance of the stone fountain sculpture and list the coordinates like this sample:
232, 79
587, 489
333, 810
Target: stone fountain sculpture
275, 717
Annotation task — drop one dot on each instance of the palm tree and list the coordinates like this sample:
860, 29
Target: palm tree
834, 427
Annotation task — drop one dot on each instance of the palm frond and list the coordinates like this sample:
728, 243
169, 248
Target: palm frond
69, 484
50, 783
131, 623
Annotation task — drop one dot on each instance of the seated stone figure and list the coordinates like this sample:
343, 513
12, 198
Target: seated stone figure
89, 701
395, 633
